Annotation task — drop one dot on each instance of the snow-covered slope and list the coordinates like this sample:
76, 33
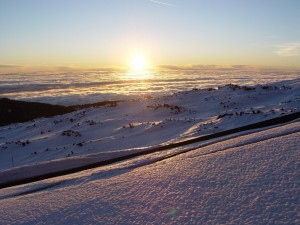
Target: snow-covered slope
144, 122
251, 179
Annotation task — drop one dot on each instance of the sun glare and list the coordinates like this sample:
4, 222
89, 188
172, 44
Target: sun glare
139, 63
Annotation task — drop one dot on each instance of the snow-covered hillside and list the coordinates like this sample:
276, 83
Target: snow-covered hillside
144, 122
251, 179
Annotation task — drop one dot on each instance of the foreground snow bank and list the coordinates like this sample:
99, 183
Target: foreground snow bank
252, 179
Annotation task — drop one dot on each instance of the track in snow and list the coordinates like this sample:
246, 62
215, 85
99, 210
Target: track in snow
263, 124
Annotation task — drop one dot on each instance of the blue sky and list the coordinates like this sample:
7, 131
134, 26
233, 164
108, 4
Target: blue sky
105, 33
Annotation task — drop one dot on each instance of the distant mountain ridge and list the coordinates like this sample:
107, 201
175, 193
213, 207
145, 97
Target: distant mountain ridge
15, 111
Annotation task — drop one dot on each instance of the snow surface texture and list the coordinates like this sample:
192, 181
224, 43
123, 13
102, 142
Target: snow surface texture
246, 178
142, 123
252, 179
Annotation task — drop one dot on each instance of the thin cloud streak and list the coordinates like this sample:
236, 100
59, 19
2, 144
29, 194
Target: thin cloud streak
209, 67
289, 49
163, 3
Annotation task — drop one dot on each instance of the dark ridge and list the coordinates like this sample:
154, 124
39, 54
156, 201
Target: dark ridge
14, 111
262, 124
97, 104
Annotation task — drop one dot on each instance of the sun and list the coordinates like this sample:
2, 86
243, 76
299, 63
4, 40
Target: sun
139, 62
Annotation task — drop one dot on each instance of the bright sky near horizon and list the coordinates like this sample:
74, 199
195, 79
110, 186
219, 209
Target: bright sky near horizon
107, 33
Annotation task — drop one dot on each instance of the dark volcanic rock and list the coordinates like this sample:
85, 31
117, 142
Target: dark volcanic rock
12, 111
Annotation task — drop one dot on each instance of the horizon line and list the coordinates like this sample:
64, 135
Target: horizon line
174, 67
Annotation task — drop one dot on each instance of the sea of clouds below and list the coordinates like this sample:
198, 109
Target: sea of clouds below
72, 88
